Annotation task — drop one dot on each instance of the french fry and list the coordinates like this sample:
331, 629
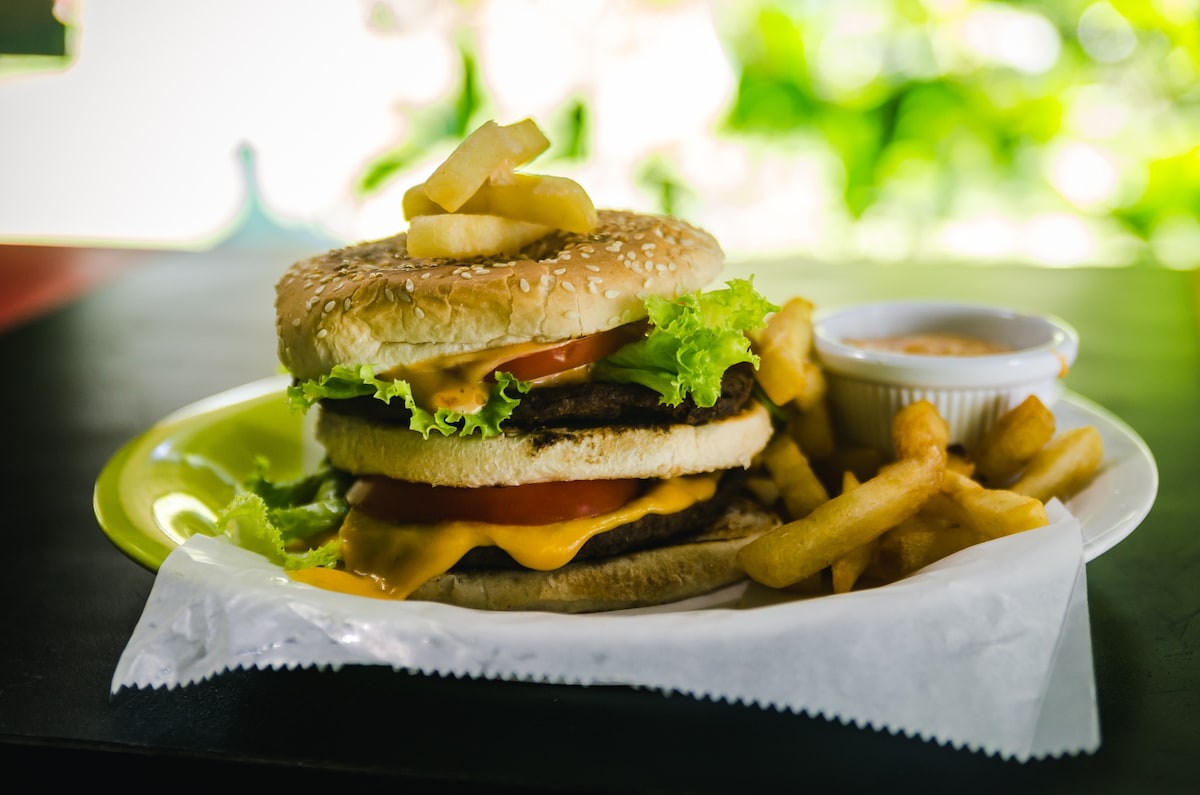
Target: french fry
801, 548
1012, 441
991, 513
959, 463
918, 428
764, 490
556, 202
1063, 466
489, 150
799, 487
463, 236
813, 388
846, 570
813, 431
783, 347
915, 543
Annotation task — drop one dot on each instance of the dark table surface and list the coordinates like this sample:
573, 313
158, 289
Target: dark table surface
172, 328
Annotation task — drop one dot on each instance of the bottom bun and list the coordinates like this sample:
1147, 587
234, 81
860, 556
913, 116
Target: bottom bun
692, 567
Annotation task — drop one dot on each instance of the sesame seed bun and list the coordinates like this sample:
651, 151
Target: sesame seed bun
374, 304
358, 445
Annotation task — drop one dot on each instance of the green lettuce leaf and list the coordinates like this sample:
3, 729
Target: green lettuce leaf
693, 341
346, 381
268, 517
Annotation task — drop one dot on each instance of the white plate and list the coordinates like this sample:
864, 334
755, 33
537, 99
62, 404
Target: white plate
1123, 491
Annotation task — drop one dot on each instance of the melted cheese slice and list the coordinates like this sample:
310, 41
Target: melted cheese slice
391, 561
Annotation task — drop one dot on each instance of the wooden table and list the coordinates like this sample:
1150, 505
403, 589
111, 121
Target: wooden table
171, 328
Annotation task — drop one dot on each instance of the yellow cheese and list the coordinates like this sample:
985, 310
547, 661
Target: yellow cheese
391, 561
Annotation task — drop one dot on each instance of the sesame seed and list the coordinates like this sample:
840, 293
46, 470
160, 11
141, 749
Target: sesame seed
467, 275
572, 313
611, 294
408, 285
595, 280
319, 290
420, 313
593, 268
321, 334
346, 305
570, 288
592, 288
524, 285
406, 298
329, 305
295, 322
388, 292
559, 271
584, 254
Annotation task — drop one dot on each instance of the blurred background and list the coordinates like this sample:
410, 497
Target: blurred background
1053, 133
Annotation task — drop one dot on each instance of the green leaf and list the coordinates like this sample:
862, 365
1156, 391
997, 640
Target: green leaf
268, 516
357, 381
693, 341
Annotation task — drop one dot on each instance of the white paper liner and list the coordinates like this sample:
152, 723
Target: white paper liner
988, 649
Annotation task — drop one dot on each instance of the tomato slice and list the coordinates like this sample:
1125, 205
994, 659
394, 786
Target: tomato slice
401, 501
573, 353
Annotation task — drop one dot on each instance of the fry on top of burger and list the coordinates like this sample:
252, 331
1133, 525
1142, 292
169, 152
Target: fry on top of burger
538, 405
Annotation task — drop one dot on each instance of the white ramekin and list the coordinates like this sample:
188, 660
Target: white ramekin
868, 387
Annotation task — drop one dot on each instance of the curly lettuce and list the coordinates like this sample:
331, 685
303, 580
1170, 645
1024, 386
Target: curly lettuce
348, 381
276, 519
694, 339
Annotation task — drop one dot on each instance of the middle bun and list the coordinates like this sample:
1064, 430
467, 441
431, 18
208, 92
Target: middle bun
661, 451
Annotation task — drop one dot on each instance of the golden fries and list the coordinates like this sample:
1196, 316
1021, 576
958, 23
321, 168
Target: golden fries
846, 570
455, 235
1012, 441
891, 518
914, 544
783, 348
991, 513
556, 202
1063, 466
804, 547
490, 149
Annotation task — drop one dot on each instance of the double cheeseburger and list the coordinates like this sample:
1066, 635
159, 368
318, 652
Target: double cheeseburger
559, 429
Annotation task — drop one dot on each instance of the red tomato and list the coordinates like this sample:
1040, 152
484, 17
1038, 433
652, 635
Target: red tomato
530, 504
574, 353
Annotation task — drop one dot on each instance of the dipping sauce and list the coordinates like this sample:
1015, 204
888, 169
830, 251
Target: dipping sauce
932, 344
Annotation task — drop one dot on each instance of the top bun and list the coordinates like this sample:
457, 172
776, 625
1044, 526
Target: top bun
374, 304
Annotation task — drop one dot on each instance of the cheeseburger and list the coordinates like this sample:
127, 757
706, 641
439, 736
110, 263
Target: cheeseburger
557, 426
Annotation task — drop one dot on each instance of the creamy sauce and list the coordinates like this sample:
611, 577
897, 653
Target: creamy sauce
459, 382
931, 344
390, 561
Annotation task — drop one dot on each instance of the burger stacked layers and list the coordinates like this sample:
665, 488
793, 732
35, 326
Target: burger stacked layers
555, 429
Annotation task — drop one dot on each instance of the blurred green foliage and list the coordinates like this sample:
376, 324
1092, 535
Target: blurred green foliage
953, 96
1085, 107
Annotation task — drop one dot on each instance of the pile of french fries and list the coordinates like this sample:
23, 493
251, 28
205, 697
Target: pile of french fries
853, 519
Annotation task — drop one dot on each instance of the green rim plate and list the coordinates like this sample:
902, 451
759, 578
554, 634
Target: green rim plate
168, 483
